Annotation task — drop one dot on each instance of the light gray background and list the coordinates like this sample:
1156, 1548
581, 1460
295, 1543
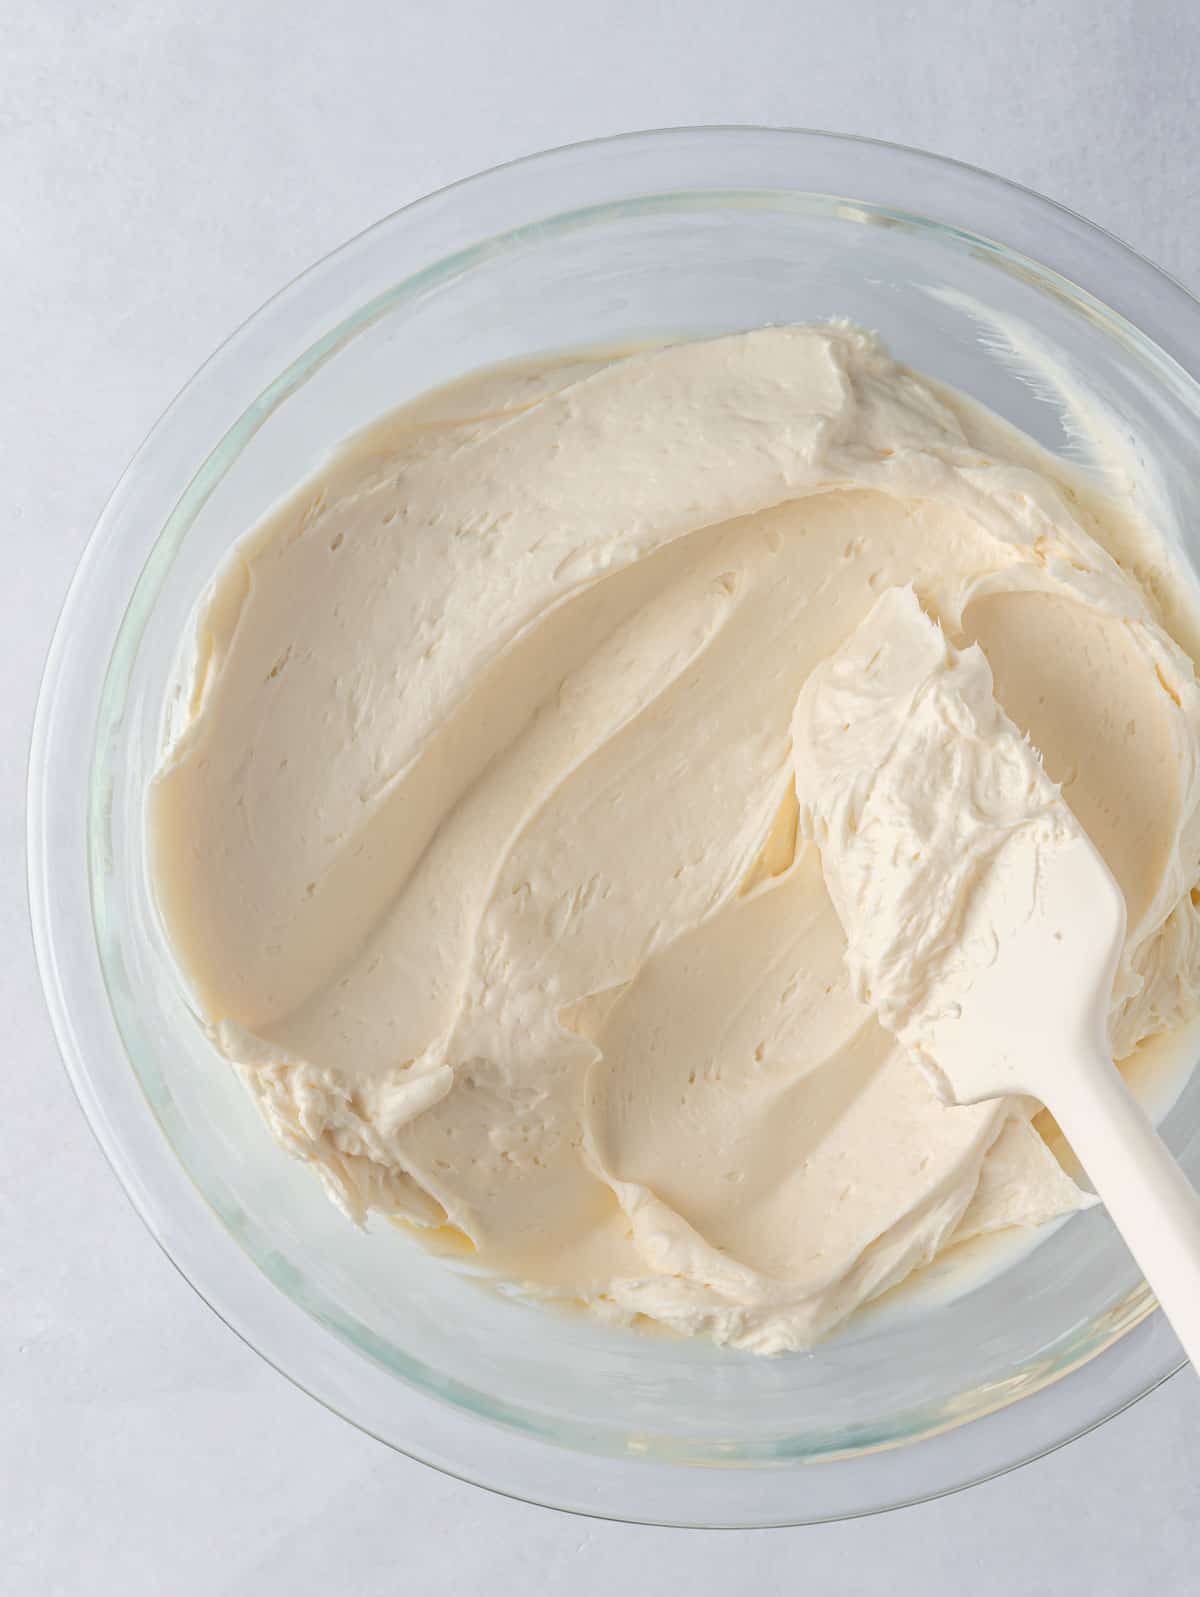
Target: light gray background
164, 166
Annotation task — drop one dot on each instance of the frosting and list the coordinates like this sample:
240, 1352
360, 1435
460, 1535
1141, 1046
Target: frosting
477, 834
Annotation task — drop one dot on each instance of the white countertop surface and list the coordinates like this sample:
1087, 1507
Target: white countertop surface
165, 165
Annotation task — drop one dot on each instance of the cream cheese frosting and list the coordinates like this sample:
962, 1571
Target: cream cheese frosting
477, 834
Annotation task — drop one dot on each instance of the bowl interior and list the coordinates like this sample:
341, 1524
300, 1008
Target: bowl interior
659, 265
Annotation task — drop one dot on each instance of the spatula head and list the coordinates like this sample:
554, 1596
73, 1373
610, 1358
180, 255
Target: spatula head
981, 924
1042, 992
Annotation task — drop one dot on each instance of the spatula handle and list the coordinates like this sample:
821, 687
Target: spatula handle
1151, 1201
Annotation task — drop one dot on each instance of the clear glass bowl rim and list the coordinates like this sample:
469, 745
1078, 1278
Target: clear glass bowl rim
986, 210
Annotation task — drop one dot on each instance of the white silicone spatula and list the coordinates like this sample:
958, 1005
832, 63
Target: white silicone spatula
1000, 1039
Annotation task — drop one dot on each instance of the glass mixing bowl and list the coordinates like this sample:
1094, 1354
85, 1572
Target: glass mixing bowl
968, 278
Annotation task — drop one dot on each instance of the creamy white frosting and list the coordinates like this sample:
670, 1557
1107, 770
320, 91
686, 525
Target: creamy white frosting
477, 835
